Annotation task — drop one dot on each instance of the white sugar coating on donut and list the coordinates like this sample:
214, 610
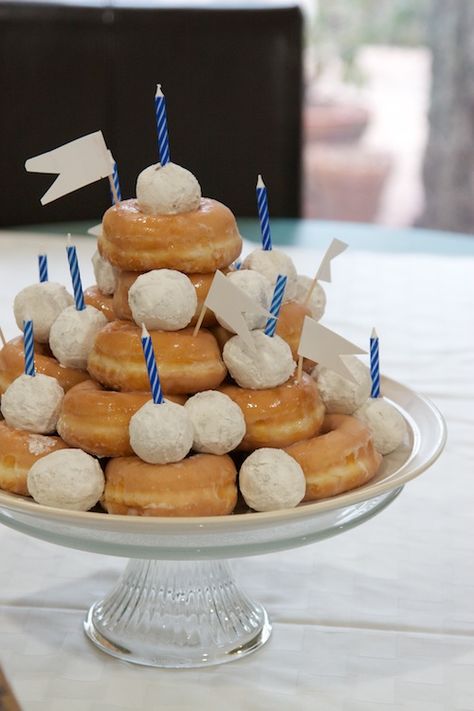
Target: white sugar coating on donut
340, 395
163, 299
317, 300
167, 190
105, 274
270, 479
258, 288
386, 425
218, 422
66, 479
40, 444
161, 434
42, 303
73, 333
271, 263
268, 365
33, 403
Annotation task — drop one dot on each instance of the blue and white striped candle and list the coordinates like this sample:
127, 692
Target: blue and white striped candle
150, 360
374, 364
115, 192
263, 214
162, 126
75, 275
43, 267
275, 307
29, 347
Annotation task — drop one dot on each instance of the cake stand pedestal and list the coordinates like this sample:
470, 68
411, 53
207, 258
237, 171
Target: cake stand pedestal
177, 614
177, 604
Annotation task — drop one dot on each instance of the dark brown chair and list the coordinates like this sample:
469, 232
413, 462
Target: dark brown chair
233, 83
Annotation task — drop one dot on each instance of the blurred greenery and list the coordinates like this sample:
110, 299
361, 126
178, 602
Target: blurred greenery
342, 26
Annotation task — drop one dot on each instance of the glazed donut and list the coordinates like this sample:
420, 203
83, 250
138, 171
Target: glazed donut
12, 364
97, 420
290, 324
186, 364
201, 282
19, 450
94, 297
198, 241
200, 485
278, 417
343, 457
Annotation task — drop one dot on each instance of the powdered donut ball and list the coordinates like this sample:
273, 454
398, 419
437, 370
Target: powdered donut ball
218, 422
167, 190
105, 274
317, 300
269, 365
163, 299
270, 479
160, 434
341, 395
73, 333
271, 263
32, 403
258, 288
66, 479
42, 303
387, 426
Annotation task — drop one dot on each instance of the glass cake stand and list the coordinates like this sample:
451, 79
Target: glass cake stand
177, 604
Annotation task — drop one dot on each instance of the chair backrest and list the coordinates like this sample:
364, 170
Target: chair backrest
233, 83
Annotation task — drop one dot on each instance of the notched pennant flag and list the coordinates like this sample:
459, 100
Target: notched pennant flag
76, 164
326, 347
229, 302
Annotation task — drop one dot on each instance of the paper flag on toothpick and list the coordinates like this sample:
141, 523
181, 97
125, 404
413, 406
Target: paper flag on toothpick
326, 347
335, 248
95, 231
77, 164
228, 302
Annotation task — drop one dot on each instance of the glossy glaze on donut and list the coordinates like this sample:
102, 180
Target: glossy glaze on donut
278, 417
186, 364
341, 458
198, 241
12, 364
94, 297
19, 450
97, 420
201, 282
200, 485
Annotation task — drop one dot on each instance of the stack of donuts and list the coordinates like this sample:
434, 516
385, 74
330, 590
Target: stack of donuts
233, 419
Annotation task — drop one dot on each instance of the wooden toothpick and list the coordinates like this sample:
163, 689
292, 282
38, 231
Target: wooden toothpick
2, 338
200, 320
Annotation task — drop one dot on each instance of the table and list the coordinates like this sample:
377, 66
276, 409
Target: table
378, 619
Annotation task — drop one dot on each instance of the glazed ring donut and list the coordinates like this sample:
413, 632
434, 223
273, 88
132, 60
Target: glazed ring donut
279, 416
97, 420
186, 364
19, 450
12, 364
94, 297
198, 241
201, 485
201, 282
341, 458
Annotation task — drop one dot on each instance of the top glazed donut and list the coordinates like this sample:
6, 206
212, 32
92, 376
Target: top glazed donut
201, 240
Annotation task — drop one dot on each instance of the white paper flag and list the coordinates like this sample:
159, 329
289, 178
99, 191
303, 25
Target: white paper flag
77, 164
228, 302
335, 248
326, 347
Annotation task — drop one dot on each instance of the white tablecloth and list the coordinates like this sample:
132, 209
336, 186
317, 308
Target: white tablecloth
380, 618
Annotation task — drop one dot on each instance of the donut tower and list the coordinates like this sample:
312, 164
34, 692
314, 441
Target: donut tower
232, 413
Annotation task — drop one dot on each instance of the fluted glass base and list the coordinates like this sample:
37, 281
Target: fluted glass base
177, 614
